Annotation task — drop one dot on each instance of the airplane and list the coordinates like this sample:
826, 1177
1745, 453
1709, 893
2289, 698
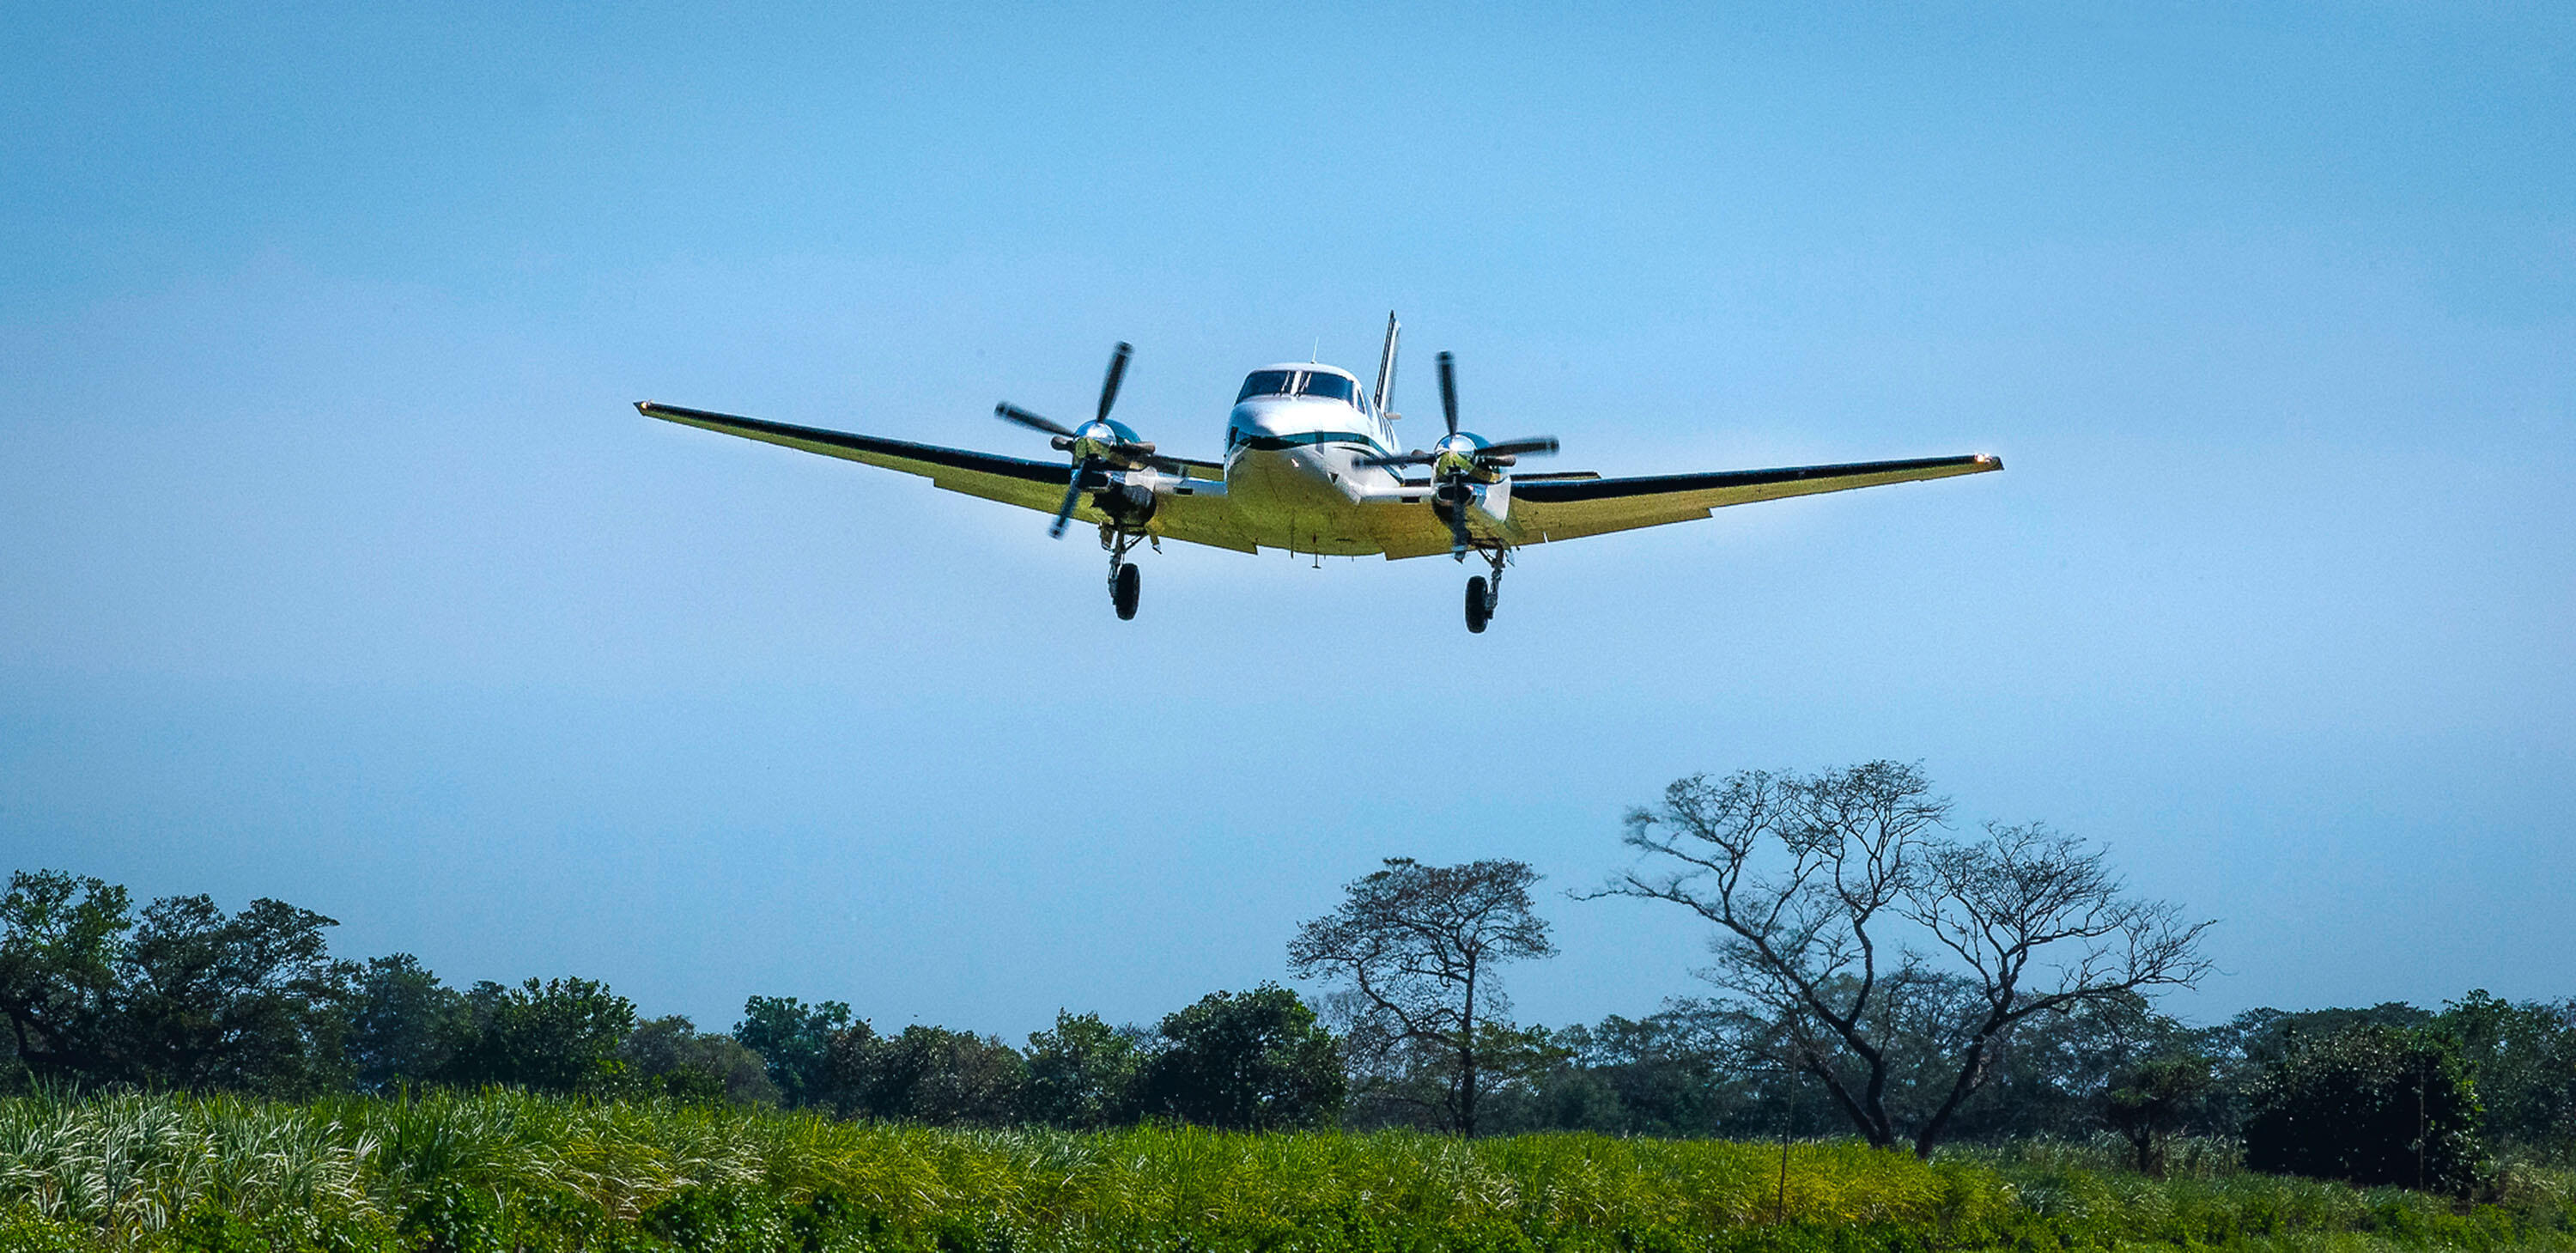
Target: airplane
1311, 466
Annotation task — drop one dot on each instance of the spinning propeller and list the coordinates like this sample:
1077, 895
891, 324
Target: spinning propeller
1461, 458
1099, 443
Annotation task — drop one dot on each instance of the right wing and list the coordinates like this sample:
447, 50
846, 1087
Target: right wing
1038, 485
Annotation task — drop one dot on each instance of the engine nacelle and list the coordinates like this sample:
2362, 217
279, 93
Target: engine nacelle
1127, 504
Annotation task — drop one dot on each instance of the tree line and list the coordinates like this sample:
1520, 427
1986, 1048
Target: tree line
1875, 971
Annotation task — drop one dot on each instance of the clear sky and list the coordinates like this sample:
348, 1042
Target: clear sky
334, 565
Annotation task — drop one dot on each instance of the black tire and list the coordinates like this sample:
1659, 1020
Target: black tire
1477, 608
1124, 594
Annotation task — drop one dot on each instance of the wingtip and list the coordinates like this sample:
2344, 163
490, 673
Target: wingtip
1990, 461
644, 407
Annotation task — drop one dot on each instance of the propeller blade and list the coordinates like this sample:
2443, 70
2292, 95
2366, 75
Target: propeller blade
1449, 391
1535, 446
1457, 483
1117, 372
1009, 412
1400, 459
1072, 493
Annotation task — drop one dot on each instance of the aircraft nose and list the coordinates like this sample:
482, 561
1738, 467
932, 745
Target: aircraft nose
1255, 419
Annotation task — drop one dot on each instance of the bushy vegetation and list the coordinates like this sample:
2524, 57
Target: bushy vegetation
550, 1113
502, 1170
96, 993
2375, 1105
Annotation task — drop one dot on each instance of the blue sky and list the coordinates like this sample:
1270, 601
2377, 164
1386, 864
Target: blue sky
334, 566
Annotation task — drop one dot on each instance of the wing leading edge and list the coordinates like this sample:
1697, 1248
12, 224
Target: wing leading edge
1037, 485
1562, 507
1547, 511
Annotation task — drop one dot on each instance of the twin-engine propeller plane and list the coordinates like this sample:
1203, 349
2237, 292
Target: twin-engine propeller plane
1311, 466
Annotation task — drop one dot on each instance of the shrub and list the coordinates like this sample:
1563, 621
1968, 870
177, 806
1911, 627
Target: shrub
2370, 1105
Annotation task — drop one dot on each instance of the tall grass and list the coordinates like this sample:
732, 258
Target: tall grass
508, 1171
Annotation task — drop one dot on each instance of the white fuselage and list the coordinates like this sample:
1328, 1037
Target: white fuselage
1294, 463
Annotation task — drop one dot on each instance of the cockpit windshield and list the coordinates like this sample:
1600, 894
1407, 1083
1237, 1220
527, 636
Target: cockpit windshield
1331, 387
1266, 383
1315, 384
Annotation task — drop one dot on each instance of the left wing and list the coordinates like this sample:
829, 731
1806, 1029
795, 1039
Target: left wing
1570, 509
1037, 485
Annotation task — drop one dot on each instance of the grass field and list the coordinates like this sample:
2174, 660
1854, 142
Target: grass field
504, 1171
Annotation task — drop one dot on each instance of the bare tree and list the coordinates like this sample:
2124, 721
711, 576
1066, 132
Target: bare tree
1418, 944
1816, 882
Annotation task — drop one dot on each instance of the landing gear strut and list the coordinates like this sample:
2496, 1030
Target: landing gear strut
1124, 581
1483, 594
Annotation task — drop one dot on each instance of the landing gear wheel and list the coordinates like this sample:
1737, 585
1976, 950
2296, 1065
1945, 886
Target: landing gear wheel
1122, 593
1479, 608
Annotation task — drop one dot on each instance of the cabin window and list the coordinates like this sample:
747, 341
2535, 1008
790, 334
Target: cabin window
1266, 383
1332, 387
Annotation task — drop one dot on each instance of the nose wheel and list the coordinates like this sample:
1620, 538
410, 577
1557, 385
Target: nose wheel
1484, 593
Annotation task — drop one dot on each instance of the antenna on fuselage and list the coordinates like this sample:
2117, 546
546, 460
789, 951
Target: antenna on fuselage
1386, 371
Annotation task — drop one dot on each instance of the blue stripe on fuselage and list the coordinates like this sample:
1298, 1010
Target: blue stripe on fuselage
1276, 443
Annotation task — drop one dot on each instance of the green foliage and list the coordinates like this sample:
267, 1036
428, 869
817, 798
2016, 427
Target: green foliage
2525, 1056
928, 1075
184, 995
560, 1035
2373, 1105
794, 1041
60, 938
497, 1171
1252, 1061
247, 1002
670, 1057
1672, 1073
404, 1024
1082, 1074
2154, 1101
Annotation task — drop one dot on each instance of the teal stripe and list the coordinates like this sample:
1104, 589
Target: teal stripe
1276, 443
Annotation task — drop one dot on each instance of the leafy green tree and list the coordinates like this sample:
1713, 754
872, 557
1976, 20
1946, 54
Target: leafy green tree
1677, 1072
2374, 1105
1251, 1061
670, 1057
2152, 1103
183, 996
2525, 1056
61, 938
794, 1040
1082, 1074
2246, 1048
929, 1075
2055, 1071
561, 1035
404, 1024
247, 1002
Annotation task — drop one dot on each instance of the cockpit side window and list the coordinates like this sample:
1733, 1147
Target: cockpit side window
1331, 387
1266, 383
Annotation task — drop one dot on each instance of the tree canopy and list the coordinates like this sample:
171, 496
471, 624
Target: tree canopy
1419, 949
1846, 913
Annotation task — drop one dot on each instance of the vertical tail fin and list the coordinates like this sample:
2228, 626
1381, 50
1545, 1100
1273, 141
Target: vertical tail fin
1385, 370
